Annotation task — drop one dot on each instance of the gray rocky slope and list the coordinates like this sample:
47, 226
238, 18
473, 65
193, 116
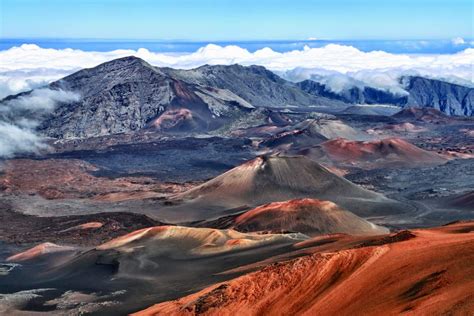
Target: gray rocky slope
451, 99
255, 84
128, 94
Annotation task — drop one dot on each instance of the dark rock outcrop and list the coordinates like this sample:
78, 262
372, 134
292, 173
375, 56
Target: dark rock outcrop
449, 98
255, 84
128, 94
354, 95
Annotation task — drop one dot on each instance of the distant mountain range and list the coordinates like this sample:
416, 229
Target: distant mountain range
128, 94
451, 99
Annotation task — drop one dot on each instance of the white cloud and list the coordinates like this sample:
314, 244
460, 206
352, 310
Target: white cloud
14, 81
19, 117
458, 41
28, 66
39, 100
14, 139
384, 79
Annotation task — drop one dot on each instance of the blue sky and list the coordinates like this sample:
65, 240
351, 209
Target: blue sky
237, 19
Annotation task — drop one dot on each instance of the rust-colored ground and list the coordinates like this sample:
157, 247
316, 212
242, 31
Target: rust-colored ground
425, 272
71, 178
387, 152
307, 216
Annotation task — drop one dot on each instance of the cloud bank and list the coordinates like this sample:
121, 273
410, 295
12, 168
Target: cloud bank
338, 66
30, 66
19, 117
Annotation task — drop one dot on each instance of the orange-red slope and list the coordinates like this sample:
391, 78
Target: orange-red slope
307, 216
72, 178
430, 274
380, 153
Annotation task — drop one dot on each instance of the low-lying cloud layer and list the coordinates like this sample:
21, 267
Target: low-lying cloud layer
339, 67
19, 117
28, 66
14, 139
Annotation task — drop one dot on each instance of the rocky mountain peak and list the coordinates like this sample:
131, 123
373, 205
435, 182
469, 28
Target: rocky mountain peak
449, 98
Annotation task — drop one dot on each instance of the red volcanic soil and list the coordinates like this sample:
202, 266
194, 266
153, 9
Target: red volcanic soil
259, 131
307, 216
172, 118
38, 251
428, 272
184, 241
71, 178
428, 115
89, 225
389, 152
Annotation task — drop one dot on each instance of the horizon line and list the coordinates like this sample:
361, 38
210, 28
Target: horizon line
229, 40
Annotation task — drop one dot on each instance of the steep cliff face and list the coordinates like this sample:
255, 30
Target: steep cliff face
127, 95
355, 95
255, 84
449, 98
